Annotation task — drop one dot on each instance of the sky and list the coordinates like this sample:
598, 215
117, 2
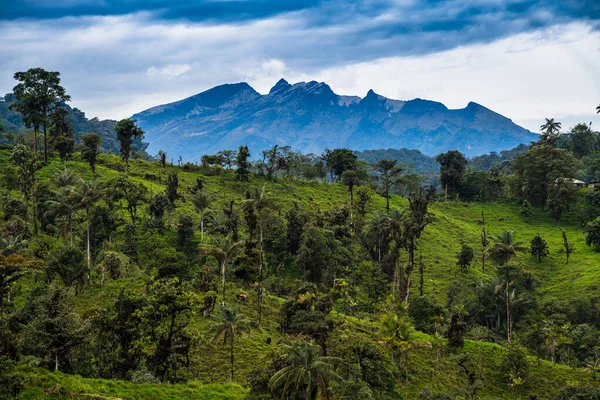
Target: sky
524, 59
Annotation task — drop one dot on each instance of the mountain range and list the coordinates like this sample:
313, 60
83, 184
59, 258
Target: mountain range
310, 117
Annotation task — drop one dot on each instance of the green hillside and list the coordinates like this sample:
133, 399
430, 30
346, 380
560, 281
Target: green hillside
424, 365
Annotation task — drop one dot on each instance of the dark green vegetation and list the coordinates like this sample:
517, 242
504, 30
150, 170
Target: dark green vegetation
13, 123
296, 276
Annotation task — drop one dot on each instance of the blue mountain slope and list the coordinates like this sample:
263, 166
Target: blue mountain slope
310, 117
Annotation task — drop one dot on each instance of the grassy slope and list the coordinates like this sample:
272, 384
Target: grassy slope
440, 244
44, 384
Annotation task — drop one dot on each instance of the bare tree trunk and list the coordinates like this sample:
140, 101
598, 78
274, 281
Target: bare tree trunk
35, 135
232, 360
421, 272
45, 143
411, 264
223, 282
89, 251
70, 217
34, 207
202, 228
351, 208
387, 200
260, 275
484, 242
508, 317
395, 285
55, 361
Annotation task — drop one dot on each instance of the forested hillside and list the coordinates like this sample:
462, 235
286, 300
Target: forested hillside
12, 125
379, 313
292, 275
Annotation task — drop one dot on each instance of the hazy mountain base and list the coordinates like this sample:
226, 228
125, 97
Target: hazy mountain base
423, 371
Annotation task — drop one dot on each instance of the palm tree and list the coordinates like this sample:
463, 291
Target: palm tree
510, 299
12, 244
201, 201
307, 372
505, 247
260, 201
396, 225
64, 205
12, 268
217, 223
351, 178
65, 177
86, 194
223, 249
379, 225
230, 325
553, 336
397, 333
550, 128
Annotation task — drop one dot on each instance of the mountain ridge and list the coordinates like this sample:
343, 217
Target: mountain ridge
310, 116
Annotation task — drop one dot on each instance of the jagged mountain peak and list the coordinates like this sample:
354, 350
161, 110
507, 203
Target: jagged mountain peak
376, 101
419, 105
281, 85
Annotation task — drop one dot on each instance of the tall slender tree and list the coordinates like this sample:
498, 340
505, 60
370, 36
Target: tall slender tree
550, 129
417, 217
569, 248
201, 200
230, 325
38, 93
228, 157
453, 165
27, 165
504, 249
388, 175
379, 226
162, 157
64, 205
127, 131
397, 333
306, 373
484, 242
243, 164
260, 201
62, 133
351, 178
90, 148
271, 160
86, 194
223, 249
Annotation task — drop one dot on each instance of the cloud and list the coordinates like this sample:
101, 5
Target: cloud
119, 57
199, 10
169, 72
526, 77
